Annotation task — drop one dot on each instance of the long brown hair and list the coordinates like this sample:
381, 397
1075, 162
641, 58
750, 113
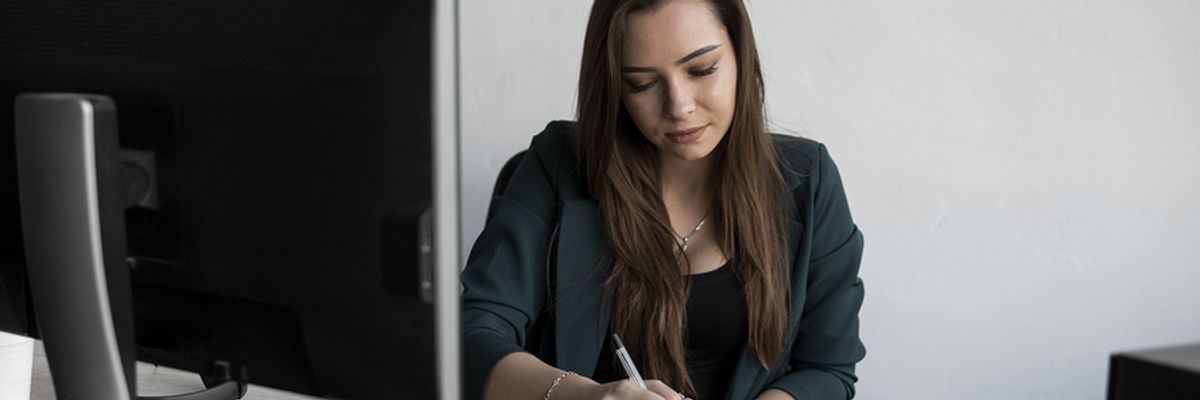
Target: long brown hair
622, 174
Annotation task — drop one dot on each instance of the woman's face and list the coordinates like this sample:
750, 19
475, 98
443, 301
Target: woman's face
680, 78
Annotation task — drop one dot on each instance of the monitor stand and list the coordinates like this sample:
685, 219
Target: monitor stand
73, 226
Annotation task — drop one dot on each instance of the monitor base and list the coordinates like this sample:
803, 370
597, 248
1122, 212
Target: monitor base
227, 390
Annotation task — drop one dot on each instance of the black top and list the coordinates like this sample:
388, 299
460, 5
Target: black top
716, 333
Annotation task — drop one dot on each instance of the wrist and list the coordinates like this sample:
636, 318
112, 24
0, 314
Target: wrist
575, 387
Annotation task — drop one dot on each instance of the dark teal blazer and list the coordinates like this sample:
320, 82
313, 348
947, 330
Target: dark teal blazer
505, 280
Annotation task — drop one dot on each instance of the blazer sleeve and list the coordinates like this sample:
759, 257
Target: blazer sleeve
827, 345
504, 280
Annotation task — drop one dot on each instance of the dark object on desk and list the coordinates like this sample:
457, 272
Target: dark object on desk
1159, 374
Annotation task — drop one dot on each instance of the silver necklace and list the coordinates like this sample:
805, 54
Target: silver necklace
693, 232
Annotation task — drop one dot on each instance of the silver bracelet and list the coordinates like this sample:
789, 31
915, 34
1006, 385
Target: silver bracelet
556, 382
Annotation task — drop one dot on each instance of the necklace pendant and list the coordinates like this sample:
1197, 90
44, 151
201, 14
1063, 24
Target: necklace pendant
693, 232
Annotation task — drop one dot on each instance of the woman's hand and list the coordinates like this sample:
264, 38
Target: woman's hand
625, 389
663, 390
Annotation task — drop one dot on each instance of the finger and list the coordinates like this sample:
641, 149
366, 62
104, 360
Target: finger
661, 389
626, 389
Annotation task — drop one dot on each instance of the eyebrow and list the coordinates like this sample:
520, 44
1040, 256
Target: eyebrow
699, 52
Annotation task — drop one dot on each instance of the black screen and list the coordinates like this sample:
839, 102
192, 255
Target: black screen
292, 158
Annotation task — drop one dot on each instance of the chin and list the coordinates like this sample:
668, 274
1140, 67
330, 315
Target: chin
692, 154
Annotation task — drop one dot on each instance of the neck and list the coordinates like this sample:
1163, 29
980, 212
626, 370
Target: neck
686, 183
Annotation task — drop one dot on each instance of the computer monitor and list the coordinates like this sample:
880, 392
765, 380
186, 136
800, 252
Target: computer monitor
283, 175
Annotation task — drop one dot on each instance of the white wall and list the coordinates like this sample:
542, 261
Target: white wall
1027, 173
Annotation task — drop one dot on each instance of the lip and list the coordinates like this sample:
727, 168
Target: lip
689, 135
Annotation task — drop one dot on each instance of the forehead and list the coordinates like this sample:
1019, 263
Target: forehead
664, 34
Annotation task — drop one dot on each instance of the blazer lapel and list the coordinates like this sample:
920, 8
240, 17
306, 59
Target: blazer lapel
582, 316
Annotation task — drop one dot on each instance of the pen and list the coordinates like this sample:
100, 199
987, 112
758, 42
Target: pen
627, 362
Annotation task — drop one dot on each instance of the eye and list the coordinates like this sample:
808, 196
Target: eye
705, 72
641, 88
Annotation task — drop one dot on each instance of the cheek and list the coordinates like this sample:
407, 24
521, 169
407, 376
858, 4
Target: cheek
641, 108
720, 95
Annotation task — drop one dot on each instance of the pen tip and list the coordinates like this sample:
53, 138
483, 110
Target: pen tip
617, 342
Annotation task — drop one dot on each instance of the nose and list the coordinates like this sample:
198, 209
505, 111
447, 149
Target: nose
679, 102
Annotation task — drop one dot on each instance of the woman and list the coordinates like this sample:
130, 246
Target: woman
723, 256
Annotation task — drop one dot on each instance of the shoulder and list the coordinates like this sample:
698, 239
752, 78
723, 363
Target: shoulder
796, 150
554, 147
800, 159
551, 157
811, 176
555, 141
